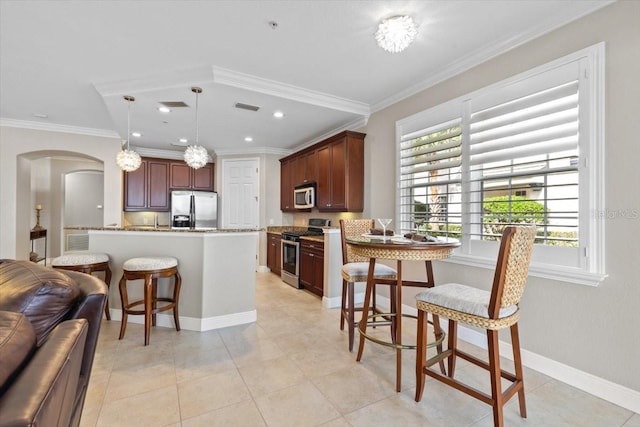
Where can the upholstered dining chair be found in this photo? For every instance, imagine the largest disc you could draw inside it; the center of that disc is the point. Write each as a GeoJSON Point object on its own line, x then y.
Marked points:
{"type": "Point", "coordinates": [491, 311]}
{"type": "Point", "coordinates": [355, 269]}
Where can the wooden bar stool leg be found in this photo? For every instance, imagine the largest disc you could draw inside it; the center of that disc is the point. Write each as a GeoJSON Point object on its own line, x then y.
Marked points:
{"type": "Point", "coordinates": [351, 318]}
{"type": "Point", "coordinates": [421, 353]}
{"type": "Point", "coordinates": [453, 346]}
{"type": "Point", "coordinates": [343, 304]}
{"type": "Point", "coordinates": [107, 280]}
{"type": "Point", "coordinates": [176, 298]}
{"type": "Point", "coordinates": [154, 300]}
{"type": "Point", "coordinates": [494, 372]}
{"type": "Point", "coordinates": [365, 306]}
{"type": "Point", "coordinates": [148, 291]}
{"type": "Point", "coordinates": [517, 362]}
{"type": "Point", "coordinates": [124, 301]}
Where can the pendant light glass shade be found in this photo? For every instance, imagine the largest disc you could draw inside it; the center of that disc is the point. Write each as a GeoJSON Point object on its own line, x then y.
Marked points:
{"type": "Point", "coordinates": [395, 34]}
{"type": "Point", "coordinates": [127, 159]}
{"type": "Point", "coordinates": [196, 156]}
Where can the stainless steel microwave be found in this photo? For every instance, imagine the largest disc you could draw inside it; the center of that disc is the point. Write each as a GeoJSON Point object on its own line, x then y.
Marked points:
{"type": "Point", "coordinates": [304, 196]}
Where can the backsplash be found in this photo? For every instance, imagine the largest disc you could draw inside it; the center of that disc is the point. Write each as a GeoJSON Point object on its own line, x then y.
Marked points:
{"type": "Point", "coordinates": [146, 218]}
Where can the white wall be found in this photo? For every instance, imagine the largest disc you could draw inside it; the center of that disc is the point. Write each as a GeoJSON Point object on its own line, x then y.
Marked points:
{"type": "Point", "coordinates": [595, 330]}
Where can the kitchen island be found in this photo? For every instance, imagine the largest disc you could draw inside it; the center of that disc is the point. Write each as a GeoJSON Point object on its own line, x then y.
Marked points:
{"type": "Point", "coordinates": [217, 268]}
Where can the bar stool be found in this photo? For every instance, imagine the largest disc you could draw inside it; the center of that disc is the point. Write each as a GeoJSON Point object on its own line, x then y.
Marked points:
{"type": "Point", "coordinates": [149, 269]}
{"type": "Point", "coordinates": [86, 262]}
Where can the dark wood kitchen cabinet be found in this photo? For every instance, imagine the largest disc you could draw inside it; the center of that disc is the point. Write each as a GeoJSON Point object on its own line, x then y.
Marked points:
{"type": "Point", "coordinates": [147, 188]}
{"type": "Point", "coordinates": [274, 252]}
{"type": "Point", "coordinates": [336, 164]}
{"type": "Point", "coordinates": [183, 177]}
{"type": "Point", "coordinates": [341, 173]}
{"type": "Point", "coordinates": [286, 186]}
{"type": "Point", "coordinates": [312, 266]}
{"type": "Point", "coordinates": [305, 168]}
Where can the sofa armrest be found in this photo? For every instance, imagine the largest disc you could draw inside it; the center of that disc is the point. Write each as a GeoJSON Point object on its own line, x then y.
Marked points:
{"type": "Point", "coordinates": [44, 392]}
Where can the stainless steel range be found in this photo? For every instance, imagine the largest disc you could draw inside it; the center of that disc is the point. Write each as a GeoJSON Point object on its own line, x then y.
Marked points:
{"type": "Point", "coordinates": [290, 271]}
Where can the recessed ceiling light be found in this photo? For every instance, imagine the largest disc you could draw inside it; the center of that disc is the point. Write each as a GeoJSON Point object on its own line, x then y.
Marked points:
{"type": "Point", "coordinates": [41, 115]}
{"type": "Point", "coordinates": [136, 134]}
{"type": "Point", "coordinates": [164, 109]}
{"type": "Point", "coordinates": [248, 139]}
{"type": "Point", "coordinates": [278, 114]}
{"type": "Point", "coordinates": [183, 140]}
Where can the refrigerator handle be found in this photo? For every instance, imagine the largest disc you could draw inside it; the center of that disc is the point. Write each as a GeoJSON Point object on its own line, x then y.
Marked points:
{"type": "Point", "coordinates": [192, 211]}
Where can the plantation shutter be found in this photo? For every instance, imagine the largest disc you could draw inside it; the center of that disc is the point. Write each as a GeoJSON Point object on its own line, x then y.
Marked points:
{"type": "Point", "coordinates": [524, 157]}
{"type": "Point", "coordinates": [430, 195]}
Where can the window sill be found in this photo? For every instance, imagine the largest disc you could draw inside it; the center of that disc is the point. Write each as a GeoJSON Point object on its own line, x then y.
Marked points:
{"type": "Point", "coordinates": [545, 271]}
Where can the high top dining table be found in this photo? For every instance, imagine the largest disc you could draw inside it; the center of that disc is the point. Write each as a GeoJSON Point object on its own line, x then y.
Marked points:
{"type": "Point", "coordinates": [398, 249]}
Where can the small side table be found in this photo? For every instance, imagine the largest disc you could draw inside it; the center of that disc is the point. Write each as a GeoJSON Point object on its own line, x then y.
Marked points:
{"type": "Point", "coordinates": [36, 235]}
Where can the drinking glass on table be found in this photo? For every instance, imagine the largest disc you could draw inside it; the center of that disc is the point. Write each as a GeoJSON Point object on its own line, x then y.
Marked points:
{"type": "Point", "coordinates": [384, 222]}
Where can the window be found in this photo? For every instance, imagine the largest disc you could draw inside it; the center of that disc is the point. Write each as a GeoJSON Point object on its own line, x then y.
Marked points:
{"type": "Point", "coordinates": [430, 179]}
{"type": "Point", "coordinates": [526, 150]}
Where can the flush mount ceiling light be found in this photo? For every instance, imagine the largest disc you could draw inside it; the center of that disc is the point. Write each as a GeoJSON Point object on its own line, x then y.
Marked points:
{"type": "Point", "coordinates": [395, 34]}
{"type": "Point", "coordinates": [195, 155]}
{"type": "Point", "coordinates": [127, 159]}
{"type": "Point", "coordinates": [278, 114]}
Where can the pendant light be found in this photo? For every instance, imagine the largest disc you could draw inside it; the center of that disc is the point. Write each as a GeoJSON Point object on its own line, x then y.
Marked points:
{"type": "Point", "coordinates": [196, 156]}
{"type": "Point", "coordinates": [127, 159]}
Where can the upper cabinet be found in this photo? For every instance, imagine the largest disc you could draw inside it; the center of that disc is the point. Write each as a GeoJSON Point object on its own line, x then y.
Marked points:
{"type": "Point", "coordinates": [341, 174]}
{"type": "Point", "coordinates": [148, 188]}
{"type": "Point", "coordinates": [336, 164]}
{"type": "Point", "coordinates": [286, 186]}
{"type": "Point", "coordinates": [183, 177]}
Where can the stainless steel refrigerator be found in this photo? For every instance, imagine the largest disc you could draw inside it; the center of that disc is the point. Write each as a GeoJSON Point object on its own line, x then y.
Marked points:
{"type": "Point", "coordinates": [194, 209]}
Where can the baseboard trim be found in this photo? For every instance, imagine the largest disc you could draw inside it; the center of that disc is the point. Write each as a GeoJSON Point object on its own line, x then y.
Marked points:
{"type": "Point", "coordinates": [192, 323]}
{"type": "Point", "coordinates": [596, 386]}
{"type": "Point", "coordinates": [263, 269]}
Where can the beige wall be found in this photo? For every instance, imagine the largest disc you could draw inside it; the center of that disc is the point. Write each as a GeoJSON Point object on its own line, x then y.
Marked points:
{"type": "Point", "coordinates": [19, 149]}
{"type": "Point", "coordinates": [591, 329]}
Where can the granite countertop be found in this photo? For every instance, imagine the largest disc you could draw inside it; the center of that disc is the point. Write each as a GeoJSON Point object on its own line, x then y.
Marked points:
{"type": "Point", "coordinates": [279, 229]}
{"type": "Point", "coordinates": [319, 239]}
{"type": "Point", "coordinates": [166, 229]}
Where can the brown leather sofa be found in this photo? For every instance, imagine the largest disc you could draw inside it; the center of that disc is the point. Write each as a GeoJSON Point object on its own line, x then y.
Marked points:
{"type": "Point", "coordinates": [49, 325]}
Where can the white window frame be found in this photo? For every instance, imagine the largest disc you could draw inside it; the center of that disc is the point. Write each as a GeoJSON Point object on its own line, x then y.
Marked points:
{"type": "Point", "coordinates": [589, 266]}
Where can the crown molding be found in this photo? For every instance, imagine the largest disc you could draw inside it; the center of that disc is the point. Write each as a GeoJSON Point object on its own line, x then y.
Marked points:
{"type": "Point", "coordinates": [287, 91]}
{"type": "Point", "coordinates": [355, 124]}
{"type": "Point", "coordinates": [482, 55]}
{"type": "Point", "coordinates": [253, 151]}
{"type": "Point", "coordinates": [52, 127]}
{"type": "Point", "coordinates": [165, 80]}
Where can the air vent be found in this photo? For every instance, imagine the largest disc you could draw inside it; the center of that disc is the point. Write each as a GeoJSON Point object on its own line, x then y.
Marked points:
{"type": "Point", "coordinates": [246, 106]}
{"type": "Point", "coordinates": [174, 104]}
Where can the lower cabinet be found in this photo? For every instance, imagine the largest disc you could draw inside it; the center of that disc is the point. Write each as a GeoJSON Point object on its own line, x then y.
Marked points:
{"type": "Point", "coordinates": [274, 252]}
{"type": "Point", "coordinates": [312, 266]}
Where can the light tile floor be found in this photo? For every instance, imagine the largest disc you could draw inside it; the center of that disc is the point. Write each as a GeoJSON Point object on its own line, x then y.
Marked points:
{"type": "Point", "coordinates": [292, 368]}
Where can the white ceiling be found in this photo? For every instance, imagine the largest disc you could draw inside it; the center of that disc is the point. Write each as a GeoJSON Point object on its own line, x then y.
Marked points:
{"type": "Point", "coordinates": [74, 60]}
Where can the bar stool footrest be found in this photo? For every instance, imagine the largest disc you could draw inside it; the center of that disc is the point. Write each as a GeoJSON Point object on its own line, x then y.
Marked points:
{"type": "Point", "coordinates": [435, 343]}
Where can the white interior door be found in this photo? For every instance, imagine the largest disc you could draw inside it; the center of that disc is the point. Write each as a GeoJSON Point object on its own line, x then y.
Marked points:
{"type": "Point", "coordinates": [240, 193]}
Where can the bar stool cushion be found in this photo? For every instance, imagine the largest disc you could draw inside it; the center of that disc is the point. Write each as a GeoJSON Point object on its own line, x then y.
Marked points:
{"type": "Point", "coordinates": [358, 271]}
{"type": "Point", "coordinates": [150, 263]}
{"type": "Point", "coordinates": [462, 298]}
{"type": "Point", "coordinates": [80, 258]}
